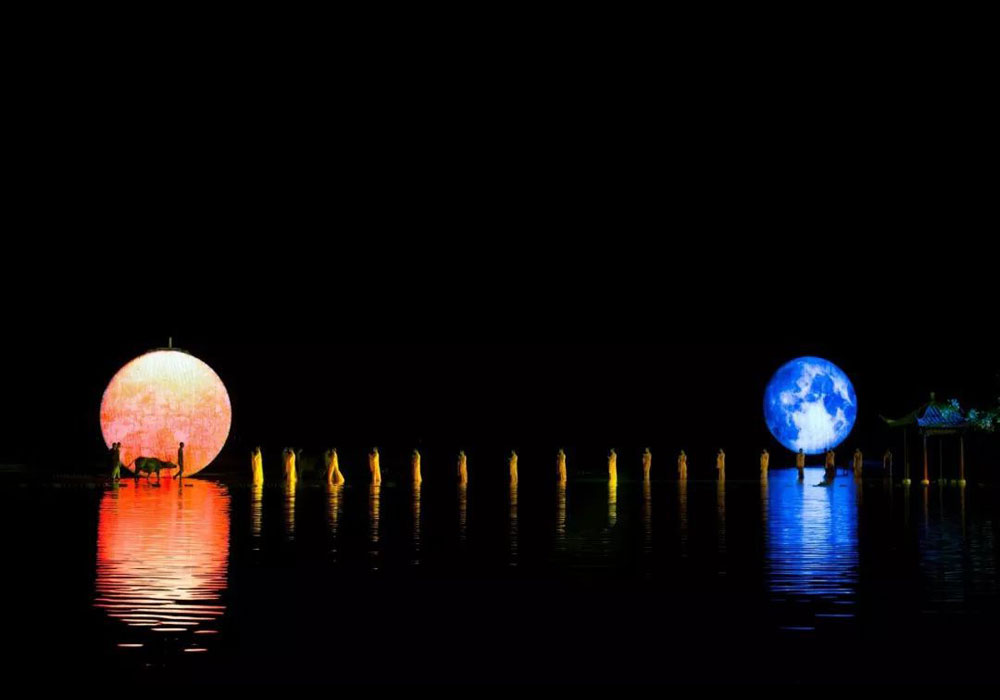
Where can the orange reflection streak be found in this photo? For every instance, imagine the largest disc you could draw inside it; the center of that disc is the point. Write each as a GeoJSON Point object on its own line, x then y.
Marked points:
{"type": "Point", "coordinates": [374, 518]}
{"type": "Point", "coordinates": [721, 514]}
{"type": "Point", "coordinates": [512, 531]}
{"type": "Point", "coordinates": [256, 508]}
{"type": "Point", "coordinates": [463, 511]}
{"type": "Point", "coordinates": [682, 513]}
{"type": "Point", "coordinates": [561, 517]}
{"type": "Point", "coordinates": [613, 503]}
{"type": "Point", "coordinates": [290, 508]}
{"type": "Point", "coordinates": [415, 507]}
{"type": "Point", "coordinates": [334, 507]}
{"type": "Point", "coordinates": [163, 555]}
{"type": "Point", "coordinates": [647, 516]}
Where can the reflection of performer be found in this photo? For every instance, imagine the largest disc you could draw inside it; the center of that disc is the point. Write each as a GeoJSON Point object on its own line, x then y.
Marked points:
{"type": "Point", "coordinates": [765, 463]}
{"type": "Point", "coordinates": [682, 466]}
{"type": "Point", "coordinates": [647, 463]}
{"type": "Point", "coordinates": [800, 464]}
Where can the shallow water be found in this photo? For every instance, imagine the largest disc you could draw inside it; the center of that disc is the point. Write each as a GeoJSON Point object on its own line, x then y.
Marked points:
{"type": "Point", "coordinates": [668, 581]}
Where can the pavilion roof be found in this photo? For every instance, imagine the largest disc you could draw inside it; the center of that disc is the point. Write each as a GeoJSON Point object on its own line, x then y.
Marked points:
{"type": "Point", "coordinates": [939, 415]}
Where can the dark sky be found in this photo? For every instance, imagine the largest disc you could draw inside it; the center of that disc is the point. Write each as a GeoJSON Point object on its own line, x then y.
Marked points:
{"type": "Point", "coordinates": [539, 293]}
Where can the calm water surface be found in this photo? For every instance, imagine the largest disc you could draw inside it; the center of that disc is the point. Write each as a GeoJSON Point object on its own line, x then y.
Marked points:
{"type": "Point", "coordinates": [693, 581]}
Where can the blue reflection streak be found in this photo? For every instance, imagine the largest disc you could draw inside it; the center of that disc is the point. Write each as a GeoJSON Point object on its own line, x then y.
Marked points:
{"type": "Point", "coordinates": [812, 538]}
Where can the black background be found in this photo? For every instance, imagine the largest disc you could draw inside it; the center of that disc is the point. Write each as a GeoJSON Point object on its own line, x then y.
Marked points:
{"type": "Point", "coordinates": [530, 242]}
{"type": "Point", "coordinates": [331, 232]}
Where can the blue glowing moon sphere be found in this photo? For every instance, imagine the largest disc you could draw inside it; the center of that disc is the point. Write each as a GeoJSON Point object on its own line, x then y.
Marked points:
{"type": "Point", "coordinates": [810, 405]}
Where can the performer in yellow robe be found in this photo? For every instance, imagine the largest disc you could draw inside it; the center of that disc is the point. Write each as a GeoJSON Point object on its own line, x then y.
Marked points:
{"type": "Point", "coordinates": [613, 467]}
{"type": "Point", "coordinates": [720, 464]}
{"type": "Point", "coordinates": [682, 466]}
{"type": "Point", "coordinates": [512, 464]}
{"type": "Point", "coordinates": [374, 467]}
{"type": "Point", "coordinates": [647, 464]}
{"type": "Point", "coordinates": [561, 466]}
{"type": "Point", "coordinates": [257, 467]}
{"type": "Point", "coordinates": [332, 462]}
{"type": "Point", "coordinates": [291, 476]}
{"type": "Point", "coordinates": [415, 464]}
{"type": "Point", "coordinates": [800, 464]}
{"type": "Point", "coordinates": [463, 469]}
{"type": "Point", "coordinates": [765, 463]}
{"type": "Point", "coordinates": [338, 476]}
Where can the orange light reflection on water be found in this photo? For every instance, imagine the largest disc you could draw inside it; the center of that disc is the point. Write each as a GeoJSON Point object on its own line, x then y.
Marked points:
{"type": "Point", "coordinates": [163, 556]}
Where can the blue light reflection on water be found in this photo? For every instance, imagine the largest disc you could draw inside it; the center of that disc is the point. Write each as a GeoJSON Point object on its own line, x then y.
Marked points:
{"type": "Point", "coordinates": [812, 542]}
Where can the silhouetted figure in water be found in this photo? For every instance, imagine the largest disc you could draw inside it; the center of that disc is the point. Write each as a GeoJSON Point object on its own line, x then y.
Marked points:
{"type": "Point", "coordinates": [765, 463]}
{"type": "Point", "coordinates": [116, 461]}
{"type": "Point", "coordinates": [800, 464]}
{"type": "Point", "coordinates": [830, 471]}
{"type": "Point", "coordinates": [887, 463]}
{"type": "Point", "coordinates": [859, 463]}
{"type": "Point", "coordinates": [180, 460]}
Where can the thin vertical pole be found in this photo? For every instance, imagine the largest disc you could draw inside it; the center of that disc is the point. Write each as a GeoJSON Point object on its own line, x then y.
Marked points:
{"type": "Point", "coordinates": [906, 458]}
{"type": "Point", "coordinates": [941, 459]}
{"type": "Point", "coordinates": [961, 460]}
{"type": "Point", "coordinates": [926, 480]}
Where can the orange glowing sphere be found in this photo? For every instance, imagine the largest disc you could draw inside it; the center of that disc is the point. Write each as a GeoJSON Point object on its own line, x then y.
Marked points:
{"type": "Point", "coordinates": [164, 398]}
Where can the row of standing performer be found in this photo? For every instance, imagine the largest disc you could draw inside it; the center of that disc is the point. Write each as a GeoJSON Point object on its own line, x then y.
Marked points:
{"type": "Point", "coordinates": [334, 475]}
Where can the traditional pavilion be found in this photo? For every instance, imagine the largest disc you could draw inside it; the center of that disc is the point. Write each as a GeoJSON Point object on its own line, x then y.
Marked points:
{"type": "Point", "coordinates": [933, 419]}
